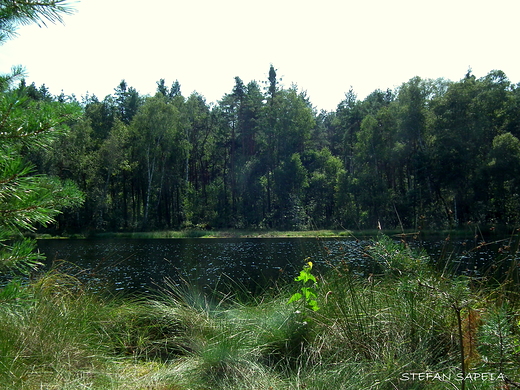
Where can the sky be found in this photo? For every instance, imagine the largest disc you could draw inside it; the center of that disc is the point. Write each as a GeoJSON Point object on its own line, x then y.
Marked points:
{"type": "Point", "coordinates": [325, 47]}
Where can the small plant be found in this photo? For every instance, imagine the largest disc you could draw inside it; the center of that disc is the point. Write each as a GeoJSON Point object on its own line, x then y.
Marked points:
{"type": "Point", "coordinates": [307, 292]}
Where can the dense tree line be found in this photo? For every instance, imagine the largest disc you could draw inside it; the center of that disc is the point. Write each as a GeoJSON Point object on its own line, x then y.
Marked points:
{"type": "Point", "coordinates": [431, 153]}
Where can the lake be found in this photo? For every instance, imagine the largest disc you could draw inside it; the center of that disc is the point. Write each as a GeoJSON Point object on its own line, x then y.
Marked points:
{"type": "Point", "coordinates": [142, 265]}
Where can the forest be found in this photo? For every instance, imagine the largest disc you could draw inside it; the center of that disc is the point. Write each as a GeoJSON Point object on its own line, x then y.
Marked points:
{"type": "Point", "coordinates": [429, 154]}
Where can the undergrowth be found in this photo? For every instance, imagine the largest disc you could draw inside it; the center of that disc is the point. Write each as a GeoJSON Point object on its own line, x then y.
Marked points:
{"type": "Point", "coordinates": [403, 326]}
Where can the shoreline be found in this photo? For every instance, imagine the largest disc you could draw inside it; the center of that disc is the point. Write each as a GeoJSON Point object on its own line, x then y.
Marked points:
{"type": "Point", "coordinates": [264, 234]}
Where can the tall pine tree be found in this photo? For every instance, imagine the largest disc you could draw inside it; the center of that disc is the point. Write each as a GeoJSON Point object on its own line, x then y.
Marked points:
{"type": "Point", "coordinates": [27, 199]}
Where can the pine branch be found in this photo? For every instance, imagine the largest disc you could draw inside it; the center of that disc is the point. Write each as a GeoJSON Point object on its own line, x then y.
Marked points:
{"type": "Point", "coordinates": [14, 13]}
{"type": "Point", "coordinates": [28, 12]}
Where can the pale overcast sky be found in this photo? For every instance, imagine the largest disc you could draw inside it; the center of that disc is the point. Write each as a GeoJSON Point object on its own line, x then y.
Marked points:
{"type": "Point", "coordinates": [324, 46]}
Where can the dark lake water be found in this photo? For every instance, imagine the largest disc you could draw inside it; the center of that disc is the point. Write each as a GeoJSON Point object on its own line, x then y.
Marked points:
{"type": "Point", "coordinates": [143, 265]}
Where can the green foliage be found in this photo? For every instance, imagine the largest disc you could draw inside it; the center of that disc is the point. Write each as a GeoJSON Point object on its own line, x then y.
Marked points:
{"type": "Point", "coordinates": [308, 292]}
{"type": "Point", "coordinates": [158, 139]}
{"type": "Point", "coordinates": [429, 154]}
{"type": "Point", "coordinates": [27, 199]}
{"type": "Point", "coordinates": [396, 258]}
{"type": "Point", "coordinates": [15, 13]}
{"type": "Point", "coordinates": [499, 341]}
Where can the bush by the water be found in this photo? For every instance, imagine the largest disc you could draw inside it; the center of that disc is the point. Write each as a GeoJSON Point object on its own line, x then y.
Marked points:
{"type": "Point", "coordinates": [405, 326]}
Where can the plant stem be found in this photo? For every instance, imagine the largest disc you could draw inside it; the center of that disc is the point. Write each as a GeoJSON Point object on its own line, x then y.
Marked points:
{"type": "Point", "coordinates": [461, 344]}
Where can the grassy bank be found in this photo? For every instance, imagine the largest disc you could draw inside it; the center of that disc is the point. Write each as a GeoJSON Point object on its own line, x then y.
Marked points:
{"type": "Point", "coordinates": [463, 232]}
{"type": "Point", "coordinates": [402, 327]}
{"type": "Point", "coordinates": [232, 233]}
{"type": "Point", "coordinates": [196, 233]}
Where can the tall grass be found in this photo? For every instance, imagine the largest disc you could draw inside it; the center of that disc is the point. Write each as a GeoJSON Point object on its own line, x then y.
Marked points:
{"type": "Point", "coordinates": [371, 332]}
{"type": "Point", "coordinates": [49, 333]}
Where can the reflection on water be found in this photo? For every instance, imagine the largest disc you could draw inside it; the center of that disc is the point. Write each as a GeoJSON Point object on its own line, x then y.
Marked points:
{"type": "Point", "coordinates": [474, 256]}
{"type": "Point", "coordinates": [144, 264]}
